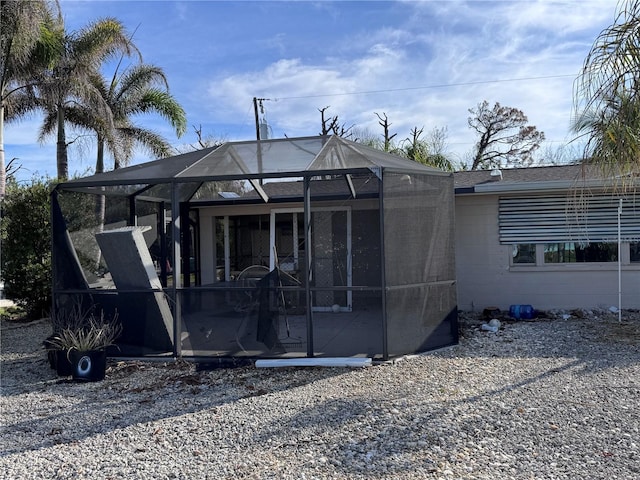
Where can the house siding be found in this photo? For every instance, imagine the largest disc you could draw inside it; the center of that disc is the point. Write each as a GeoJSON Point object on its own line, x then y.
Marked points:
{"type": "Point", "coordinates": [486, 279]}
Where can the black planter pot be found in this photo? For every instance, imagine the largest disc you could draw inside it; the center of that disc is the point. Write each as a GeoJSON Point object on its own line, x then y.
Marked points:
{"type": "Point", "coordinates": [88, 366]}
{"type": "Point", "coordinates": [59, 362]}
{"type": "Point", "coordinates": [57, 358]}
{"type": "Point", "coordinates": [63, 367]}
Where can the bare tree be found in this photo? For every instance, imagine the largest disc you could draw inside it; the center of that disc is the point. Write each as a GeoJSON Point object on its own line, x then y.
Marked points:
{"type": "Point", "coordinates": [429, 151]}
{"type": "Point", "coordinates": [505, 138]}
{"type": "Point", "coordinates": [332, 126]}
{"type": "Point", "coordinates": [414, 149]}
{"type": "Point", "coordinates": [384, 123]}
{"type": "Point", "coordinates": [366, 137]}
{"type": "Point", "coordinates": [564, 154]}
{"type": "Point", "coordinates": [211, 189]}
{"type": "Point", "coordinates": [206, 141]}
{"type": "Point", "coordinates": [437, 140]}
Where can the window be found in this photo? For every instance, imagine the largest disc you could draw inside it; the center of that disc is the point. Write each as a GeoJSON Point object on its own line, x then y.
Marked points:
{"type": "Point", "coordinates": [570, 252]}
{"type": "Point", "coordinates": [524, 253]}
{"type": "Point", "coordinates": [634, 251]}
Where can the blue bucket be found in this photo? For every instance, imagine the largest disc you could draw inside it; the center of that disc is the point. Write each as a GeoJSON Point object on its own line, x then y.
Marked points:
{"type": "Point", "coordinates": [521, 312]}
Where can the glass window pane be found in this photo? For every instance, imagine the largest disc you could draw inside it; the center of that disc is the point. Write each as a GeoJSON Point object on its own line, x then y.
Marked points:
{"type": "Point", "coordinates": [597, 252]}
{"type": "Point", "coordinates": [524, 253]}
{"type": "Point", "coordinates": [559, 253]}
{"type": "Point", "coordinates": [570, 252]}
{"type": "Point", "coordinates": [634, 252]}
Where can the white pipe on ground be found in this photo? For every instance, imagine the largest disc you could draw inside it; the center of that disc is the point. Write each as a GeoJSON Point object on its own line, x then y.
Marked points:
{"type": "Point", "coordinates": [315, 362]}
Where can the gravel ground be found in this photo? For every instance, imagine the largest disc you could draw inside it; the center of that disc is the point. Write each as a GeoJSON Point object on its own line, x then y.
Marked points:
{"type": "Point", "coordinates": [554, 398]}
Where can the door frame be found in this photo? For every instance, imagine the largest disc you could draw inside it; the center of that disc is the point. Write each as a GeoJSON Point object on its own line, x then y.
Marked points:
{"type": "Point", "coordinates": [349, 264]}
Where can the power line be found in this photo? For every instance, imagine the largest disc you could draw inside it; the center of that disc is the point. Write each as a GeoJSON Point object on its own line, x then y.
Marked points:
{"type": "Point", "coordinates": [424, 87]}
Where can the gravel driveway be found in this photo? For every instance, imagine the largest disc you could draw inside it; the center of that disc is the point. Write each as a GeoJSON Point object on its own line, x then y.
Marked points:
{"type": "Point", "coordinates": [547, 399]}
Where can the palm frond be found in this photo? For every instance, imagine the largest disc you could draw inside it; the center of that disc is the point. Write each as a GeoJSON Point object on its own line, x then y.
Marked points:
{"type": "Point", "coordinates": [148, 140]}
{"type": "Point", "coordinates": [607, 98]}
{"type": "Point", "coordinates": [166, 106]}
{"type": "Point", "coordinates": [101, 40]}
{"type": "Point", "coordinates": [138, 78]}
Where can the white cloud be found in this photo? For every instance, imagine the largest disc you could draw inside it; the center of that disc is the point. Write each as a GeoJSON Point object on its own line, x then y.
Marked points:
{"type": "Point", "coordinates": [423, 63]}
{"type": "Point", "coordinates": [441, 43]}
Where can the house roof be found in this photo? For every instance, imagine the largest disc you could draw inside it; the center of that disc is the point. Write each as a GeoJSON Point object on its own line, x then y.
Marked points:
{"type": "Point", "coordinates": [532, 178]}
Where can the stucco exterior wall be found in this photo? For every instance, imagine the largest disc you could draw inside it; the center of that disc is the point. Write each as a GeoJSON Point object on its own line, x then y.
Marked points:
{"type": "Point", "coordinates": [485, 277]}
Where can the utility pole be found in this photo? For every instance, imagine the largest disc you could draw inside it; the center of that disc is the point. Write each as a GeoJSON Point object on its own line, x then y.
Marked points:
{"type": "Point", "coordinates": [259, 149]}
{"type": "Point", "coordinates": [261, 121]}
{"type": "Point", "coordinates": [255, 111]}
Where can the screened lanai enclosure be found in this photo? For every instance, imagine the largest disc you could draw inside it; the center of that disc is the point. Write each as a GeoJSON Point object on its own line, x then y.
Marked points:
{"type": "Point", "coordinates": [297, 247]}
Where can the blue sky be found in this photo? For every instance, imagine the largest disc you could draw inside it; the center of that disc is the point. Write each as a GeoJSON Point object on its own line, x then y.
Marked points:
{"type": "Point", "coordinates": [422, 64]}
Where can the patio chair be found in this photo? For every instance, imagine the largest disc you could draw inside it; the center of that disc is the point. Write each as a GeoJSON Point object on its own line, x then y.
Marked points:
{"type": "Point", "coordinates": [247, 280]}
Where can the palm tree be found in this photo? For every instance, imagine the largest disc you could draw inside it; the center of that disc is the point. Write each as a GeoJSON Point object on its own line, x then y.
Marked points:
{"type": "Point", "coordinates": [25, 44]}
{"type": "Point", "coordinates": [134, 92]}
{"type": "Point", "coordinates": [607, 96]}
{"type": "Point", "coordinates": [612, 135]}
{"type": "Point", "coordinates": [71, 80]}
{"type": "Point", "coordinates": [140, 89]}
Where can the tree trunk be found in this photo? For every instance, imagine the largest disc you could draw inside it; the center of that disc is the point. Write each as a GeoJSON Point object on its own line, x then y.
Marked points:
{"type": "Point", "coordinates": [3, 173]}
{"type": "Point", "coordinates": [61, 147]}
{"type": "Point", "coordinates": [482, 146]}
{"type": "Point", "coordinates": [2, 168]}
{"type": "Point", "coordinates": [100, 199]}
{"type": "Point", "coordinates": [100, 158]}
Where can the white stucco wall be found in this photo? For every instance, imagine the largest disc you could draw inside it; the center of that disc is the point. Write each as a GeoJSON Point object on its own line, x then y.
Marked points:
{"type": "Point", "coordinates": [485, 277]}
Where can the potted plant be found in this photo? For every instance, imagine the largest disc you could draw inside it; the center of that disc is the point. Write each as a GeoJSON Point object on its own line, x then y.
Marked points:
{"type": "Point", "coordinates": [80, 340]}
{"type": "Point", "coordinates": [64, 318]}
{"type": "Point", "coordinates": [57, 357]}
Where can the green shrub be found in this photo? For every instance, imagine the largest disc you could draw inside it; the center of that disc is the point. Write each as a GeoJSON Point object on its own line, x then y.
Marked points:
{"type": "Point", "coordinates": [26, 246]}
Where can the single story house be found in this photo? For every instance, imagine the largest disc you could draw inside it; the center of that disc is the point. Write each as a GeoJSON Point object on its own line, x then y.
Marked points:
{"type": "Point", "coordinates": [558, 237]}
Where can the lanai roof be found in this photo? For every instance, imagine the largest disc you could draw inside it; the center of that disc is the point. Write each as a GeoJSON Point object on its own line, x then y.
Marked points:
{"type": "Point", "coordinates": [256, 159]}
{"type": "Point", "coordinates": [247, 161]}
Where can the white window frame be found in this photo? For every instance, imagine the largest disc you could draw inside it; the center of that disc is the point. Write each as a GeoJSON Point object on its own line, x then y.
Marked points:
{"type": "Point", "coordinates": [625, 260]}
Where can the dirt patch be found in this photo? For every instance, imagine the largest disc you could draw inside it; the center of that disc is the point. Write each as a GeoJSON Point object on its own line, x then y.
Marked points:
{"type": "Point", "coordinates": [601, 325]}
{"type": "Point", "coordinates": [626, 331]}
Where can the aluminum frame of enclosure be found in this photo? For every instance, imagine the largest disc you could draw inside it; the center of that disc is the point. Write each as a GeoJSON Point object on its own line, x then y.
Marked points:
{"type": "Point", "coordinates": [360, 259]}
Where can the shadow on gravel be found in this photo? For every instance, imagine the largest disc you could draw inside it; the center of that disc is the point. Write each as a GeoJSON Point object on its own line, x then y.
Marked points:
{"type": "Point", "coordinates": [61, 411]}
{"type": "Point", "coordinates": [404, 433]}
{"type": "Point", "coordinates": [396, 428]}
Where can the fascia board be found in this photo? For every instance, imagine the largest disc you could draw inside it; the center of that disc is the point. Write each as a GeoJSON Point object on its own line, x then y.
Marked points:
{"type": "Point", "coordinates": [501, 186]}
